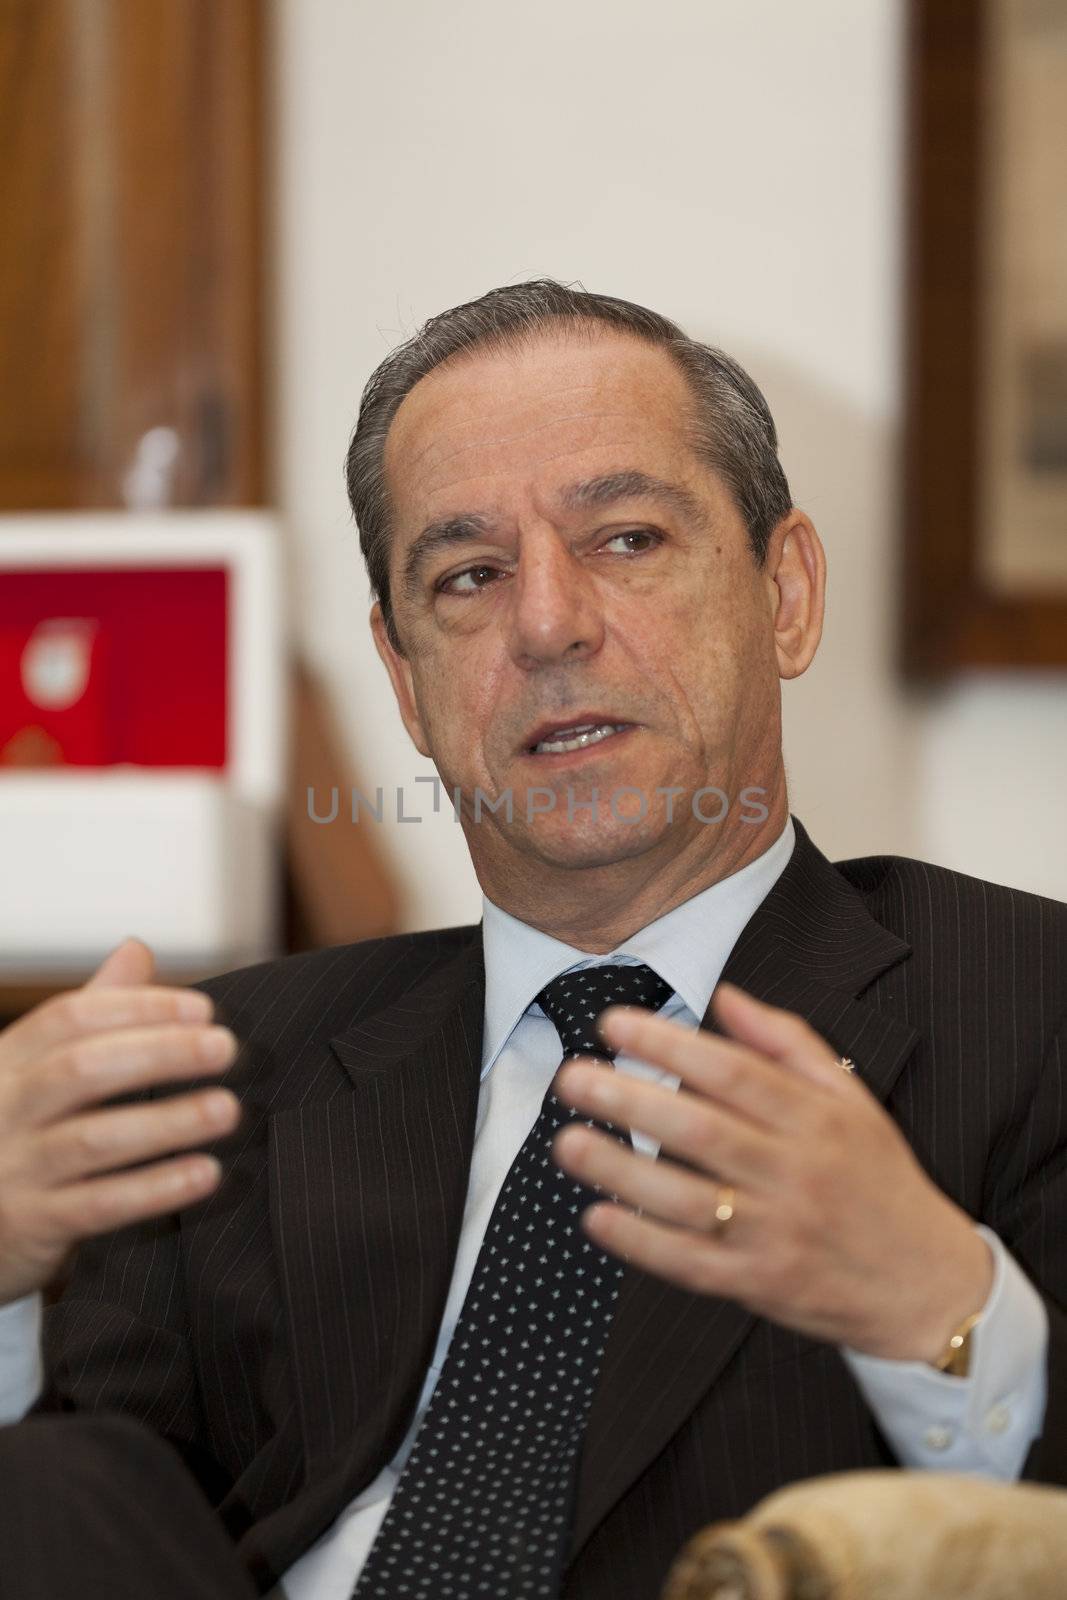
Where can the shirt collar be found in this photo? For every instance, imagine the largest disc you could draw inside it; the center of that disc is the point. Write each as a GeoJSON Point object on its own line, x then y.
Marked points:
{"type": "Point", "coordinates": [688, 947]}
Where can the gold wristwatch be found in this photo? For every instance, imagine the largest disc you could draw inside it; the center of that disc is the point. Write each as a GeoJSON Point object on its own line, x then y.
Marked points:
{"type": "Point", "coordinates": [955, 1358]}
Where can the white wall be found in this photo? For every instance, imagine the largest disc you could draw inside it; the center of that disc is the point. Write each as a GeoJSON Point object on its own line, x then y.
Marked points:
{"type": "Point", "coordinates": [734, 163]}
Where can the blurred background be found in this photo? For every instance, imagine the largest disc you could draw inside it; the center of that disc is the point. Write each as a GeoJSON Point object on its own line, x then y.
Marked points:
{"type": "Point", "coordinates": [219, 215]}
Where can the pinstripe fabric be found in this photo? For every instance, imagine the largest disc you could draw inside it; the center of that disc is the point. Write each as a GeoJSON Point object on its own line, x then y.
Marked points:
{"type": "Point", "coordinates": [279, 1333]}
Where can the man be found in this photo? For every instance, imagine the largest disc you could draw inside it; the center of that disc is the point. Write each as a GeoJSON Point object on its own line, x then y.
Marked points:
{"type": "Point", "coordinates": [392, 1339]}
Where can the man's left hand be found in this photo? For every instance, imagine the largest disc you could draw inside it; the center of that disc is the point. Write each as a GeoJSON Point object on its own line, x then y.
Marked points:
{"type": "Point", "coordinates": [837, 1231]}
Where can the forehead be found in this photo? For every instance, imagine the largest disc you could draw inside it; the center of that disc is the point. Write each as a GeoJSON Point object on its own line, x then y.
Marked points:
{"type": "Point", "coordinates": [495, 423]}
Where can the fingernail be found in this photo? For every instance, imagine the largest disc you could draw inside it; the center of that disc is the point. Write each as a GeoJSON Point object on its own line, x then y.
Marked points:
{"type": "Point", "coordinates": [202, 1170]}
{"type": "Point", "coordinates": [217, 1044]}
{"type": "Point", "coordinates": [195, 1007]}
{"type": "Point", "coordinates": [219, 1105]}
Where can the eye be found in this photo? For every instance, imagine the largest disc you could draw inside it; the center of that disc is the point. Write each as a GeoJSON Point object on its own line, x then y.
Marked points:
{"type": "Point", "coordinates": [635, 541]}
{"type": "Point", "coordinates": [469, 581]}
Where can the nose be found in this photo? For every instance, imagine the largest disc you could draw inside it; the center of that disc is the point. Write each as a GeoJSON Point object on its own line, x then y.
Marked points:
{"type": "Point", "coordinates": [556, 608]}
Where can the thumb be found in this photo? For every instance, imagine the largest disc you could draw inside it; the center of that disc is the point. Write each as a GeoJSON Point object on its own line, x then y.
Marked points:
{"type": "Point", "coordinates": [130, 963]}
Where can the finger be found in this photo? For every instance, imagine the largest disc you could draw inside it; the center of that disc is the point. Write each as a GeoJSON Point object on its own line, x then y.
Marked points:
{"type": "Point", "coordinates": [90, 1070]}
{"type": "Point", "coordinates": [129, 963]}
{"type": "Point", "coordinates": [703, 1263]}
{"type": "Point", "coordinates": [85, 1011]}
{"type": "Point", "coordinates": [657, 1188]}
{"type": "Point", "coordinates": [82, 1146]}
{"type": "Point", "coordinates": [709, 1136]}
{"type": "Point", "coordinates": [720, 1069]}
{"type": "Point", "coordinates": [101, 1204]}
{"type": "Point", "coordinates": [781, 1035]}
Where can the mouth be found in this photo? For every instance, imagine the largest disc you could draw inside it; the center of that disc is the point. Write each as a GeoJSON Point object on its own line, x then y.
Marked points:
{"type": "Point", "coordinates": [568, 738]}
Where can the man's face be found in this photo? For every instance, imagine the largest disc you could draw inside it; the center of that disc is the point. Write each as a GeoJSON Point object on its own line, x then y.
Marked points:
{"type": "Point", "coordinates": [563, 561]}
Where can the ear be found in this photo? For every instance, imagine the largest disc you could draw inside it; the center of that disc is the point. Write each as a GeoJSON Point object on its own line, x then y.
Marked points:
{"type": "Point", "coordinates": [401, 677]}
{"type": "Point", "coordinates": [796, 582]}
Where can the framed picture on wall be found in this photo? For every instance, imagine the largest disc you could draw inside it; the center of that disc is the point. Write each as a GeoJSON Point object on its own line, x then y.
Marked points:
{"type": "Point", "coordinates": [985, 504]}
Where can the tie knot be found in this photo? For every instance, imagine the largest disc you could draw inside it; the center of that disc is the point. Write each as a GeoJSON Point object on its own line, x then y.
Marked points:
{"type": "Point", "coordinates": [574, 1000]}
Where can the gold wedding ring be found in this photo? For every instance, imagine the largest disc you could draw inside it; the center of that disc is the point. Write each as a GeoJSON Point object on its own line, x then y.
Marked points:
{"type": "Point", "coordinates": [724, 1210]}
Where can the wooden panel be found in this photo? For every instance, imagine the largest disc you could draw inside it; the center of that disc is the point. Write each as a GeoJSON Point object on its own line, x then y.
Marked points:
{"type": "Point", "coordinates": [42, 258]}
{"type": "Point", "coordinates": [338, 886]}
{"type": "Point", "coordinates": [130, 253]}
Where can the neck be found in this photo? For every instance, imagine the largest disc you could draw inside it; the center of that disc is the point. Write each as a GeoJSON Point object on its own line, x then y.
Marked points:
{"type": "Point", "coordinates": [596, 908]}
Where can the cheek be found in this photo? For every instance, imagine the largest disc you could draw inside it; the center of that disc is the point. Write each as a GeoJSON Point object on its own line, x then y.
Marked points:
{"type": "Point", "coordinates": [454, 693]}
{"type": "Point", "coordinates": [685, 638]}
{"type": "Point", "coordinates": [714, 651]}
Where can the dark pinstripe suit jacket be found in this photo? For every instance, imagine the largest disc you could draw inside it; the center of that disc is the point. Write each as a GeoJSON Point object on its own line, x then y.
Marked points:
{"type": "Point", "coordinates": [279, 1334]}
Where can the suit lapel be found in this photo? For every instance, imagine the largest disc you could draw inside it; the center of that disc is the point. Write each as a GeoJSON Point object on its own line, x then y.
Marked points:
{"type": "Point", "coordinates": [811, 947]}
{"type": "Point", "coordinates": [367, 1196]}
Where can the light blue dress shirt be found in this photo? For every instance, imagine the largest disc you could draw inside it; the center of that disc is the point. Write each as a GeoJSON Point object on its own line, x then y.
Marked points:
{"type": "Point", "coordinates": [982, 1424]}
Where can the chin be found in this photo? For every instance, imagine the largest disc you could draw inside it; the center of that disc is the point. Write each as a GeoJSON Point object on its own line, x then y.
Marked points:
{"type": "Point", "coordinates": [577, 845]}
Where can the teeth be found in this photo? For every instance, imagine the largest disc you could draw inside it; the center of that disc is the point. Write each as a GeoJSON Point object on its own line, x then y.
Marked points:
{"type": "Point", "coordinates": [585, 735]}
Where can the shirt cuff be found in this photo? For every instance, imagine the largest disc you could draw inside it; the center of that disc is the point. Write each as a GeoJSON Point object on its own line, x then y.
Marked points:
{"type": "Point", "coordinates": [985, 1423]}
{"type": "Point", "coordinates": [21, 1367]}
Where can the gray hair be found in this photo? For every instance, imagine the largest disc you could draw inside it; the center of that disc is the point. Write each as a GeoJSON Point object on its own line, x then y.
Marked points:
{"type": "Point", "coordinates": [733, 431]}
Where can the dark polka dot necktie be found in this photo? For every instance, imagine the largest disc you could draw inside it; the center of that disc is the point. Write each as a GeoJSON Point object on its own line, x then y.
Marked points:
{"type": "Point", "coordinates": [484, 1502]}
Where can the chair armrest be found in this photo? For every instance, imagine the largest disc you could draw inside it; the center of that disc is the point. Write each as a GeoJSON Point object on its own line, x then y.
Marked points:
{"type": "Point", "coordinates": [902, 1535]}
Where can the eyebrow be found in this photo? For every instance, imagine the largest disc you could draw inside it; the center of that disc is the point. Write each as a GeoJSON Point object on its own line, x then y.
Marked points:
{"type": "Point", "coordinates": [592, 494]}
{"type": "Point", "coordinates": [632, 485]}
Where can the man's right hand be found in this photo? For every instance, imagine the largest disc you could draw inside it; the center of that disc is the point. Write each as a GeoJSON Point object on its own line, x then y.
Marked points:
{"type": "Point", "coordinates": [61, 1155]}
